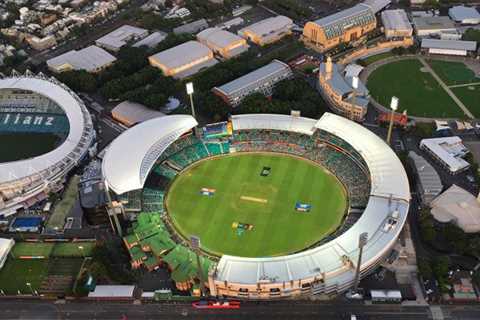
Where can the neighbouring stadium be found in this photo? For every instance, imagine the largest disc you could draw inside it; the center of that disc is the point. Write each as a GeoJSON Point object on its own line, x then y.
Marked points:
{"type": "Point", "coordinates": [45, 131]}
{"type": "Point", "coordinates": [278, 202]}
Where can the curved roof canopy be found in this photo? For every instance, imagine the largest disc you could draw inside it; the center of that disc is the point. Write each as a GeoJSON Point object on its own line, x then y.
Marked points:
{"type": "Point", "coordinates": [73, 108]}
{"type": "Point", "coordinates": [131, 156]}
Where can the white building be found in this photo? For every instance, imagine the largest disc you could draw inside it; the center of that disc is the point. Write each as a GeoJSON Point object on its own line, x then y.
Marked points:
{"type": "Point", "coordinates": [457, 206]}
{"type": "Point", "coordinates": [223, 43]}
{"type": "Point", "coordinates": [429, 185]}
{"type": "Point", "coordinates": [448, 47]}
{"type": "Point", "coordinates": [120, 37]}
{"type": "Point", "coordinates": [436, 25]}
{"type": "Point", "coordinates": [6, 246]}
{"type": "Point", "coordinates": [396, 23]}
{"type": "Point", "coordinates": [183, 60]}
{"type": "Point", "coordinates": [91, 59]}
{"type": "Point", "coordinates": [464, 15]}
{"type": "Point", "coordinates": [448, 151]}
{"type": "Point", "coordinates": [267, 31]}
{"type": "Point", "coordinates": [131, 113]}
{"type": "Point", "coordinates": [151, 40]}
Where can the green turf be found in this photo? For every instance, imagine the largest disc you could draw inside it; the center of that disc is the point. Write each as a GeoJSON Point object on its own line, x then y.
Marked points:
{"type": "Point", "coordinates": [418, 91]}
{"type": "Point", "coordinates": [453, 72]}
{"type": "Point", "coordinates": [278, 227]}
{"type": "Point", "coordinates": [470, 96]}
{"type": "Point", "coordinates": [377, 57]}
{"type": "Point", "coordinates": [51, 249]}
{"type": "Point", "coordinates": [26, 145]}
{"type": "Point", "coordinates": [56, 221]}
{"type": "Point", "coordinates": [16, 273]}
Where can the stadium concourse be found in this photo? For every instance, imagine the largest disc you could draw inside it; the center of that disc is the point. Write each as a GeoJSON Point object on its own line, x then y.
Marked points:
{"type": "Point", "coordinates": [159, 149]}
{"type": "Point", "coordinates": [37, 104]}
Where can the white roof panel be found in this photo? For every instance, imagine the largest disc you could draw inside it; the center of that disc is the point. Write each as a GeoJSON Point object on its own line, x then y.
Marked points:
{"type": "Point", "coordinates": [89, 59]}
{"type": "Point", "coordinates": [268, 26]}
{"type": "Point", "coordinates": [396, 20]}
{"type": "Point", "coordinates": [449, 44]}
{"type": "Point", "coordinates": [218, 37]}
{"type": "Point", "coordinates": [182, 54]}
{"type": "Point", "coordinates": [462, 13]}
{"type": "Point", "coordinates": [273, 122]}
{"type": "Point", "coordinates": [105, 291]}
{"type": "Point", "coordinates": [144, 143]}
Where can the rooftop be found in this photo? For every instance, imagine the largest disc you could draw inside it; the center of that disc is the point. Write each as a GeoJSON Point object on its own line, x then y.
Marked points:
{"type": "Point", "coordinates": [182, 54]}
{"type": "Point", "coordinates": [134, 112]}
{"type": "Point", "coordinates": [435, 23]}
{"type": "Point", "coordinates": [428, 176]}
{"type": "Point", "coordinates": [449, 149]}
{"type": "Point", "coordinates": [461, 13]}
{"type": "Point", "coordinates": [396, 19]}
{"type": "Point", "coordinates": [218, 37]}
{"type": "Point", "coordinates": [151, 40]}
{"type": "Point", "coordinates": [119, 37]}
{"type": "Point", "coordinates": [89, 59]}
{"type": "Point", "coordinates": [449, 44]}
{"type": "Point", "coordinates": [269, 25]}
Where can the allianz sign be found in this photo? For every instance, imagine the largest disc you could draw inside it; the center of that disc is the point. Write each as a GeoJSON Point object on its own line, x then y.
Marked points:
{"type": "Point", "coordinates": [33, 122]}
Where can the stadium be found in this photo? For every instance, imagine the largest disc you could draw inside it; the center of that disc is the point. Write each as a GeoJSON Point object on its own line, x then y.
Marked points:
{"type": "Point", "coordinates": [278, 202]}
{"type": "Point", "coordinates": [45, 131]}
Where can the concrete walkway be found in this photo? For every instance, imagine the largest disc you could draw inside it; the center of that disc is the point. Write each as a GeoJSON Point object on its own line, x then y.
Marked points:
{"type": "Point", "coordinates": [436, 312]}
{"type": "Point", "coordinates": [464, 85]}
{"type": "Point", "coordinates": [446, 88]}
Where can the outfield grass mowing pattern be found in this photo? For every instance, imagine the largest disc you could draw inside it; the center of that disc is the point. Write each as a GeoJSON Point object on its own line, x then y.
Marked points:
{"type": "Point", "coordinates": [418, 91]}
{"type": "Point", "coordinates": [53, 249]}
{"type": "Point", "coordinates": [470, 96]}
{"type": "Point", "coordinates": [16, 273]}
{"type": "Point", "coordinates": [453, 73]}
{"type": "Point", "coordinates": [377, 57]}
{"type": "Point", "coordinates": [278, 228]}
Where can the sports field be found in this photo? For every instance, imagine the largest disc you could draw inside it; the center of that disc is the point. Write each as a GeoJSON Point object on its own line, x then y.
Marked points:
{"type": "Point", "coordinates": [419, 93]}
{"type": "Point", "coordinates": [53, 249]}
{"type": "Point", "coordinates": [20, 146]}
{"type": "Point", "coordinates": [248, 204]}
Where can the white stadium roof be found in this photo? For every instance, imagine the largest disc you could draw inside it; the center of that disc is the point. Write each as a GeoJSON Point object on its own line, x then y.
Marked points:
{"type": "Point", "coordinates": [77, 116]}
{"type": "Point", "coordinates": [274, 122]}
{"type": "Point", "coordinates": [144, 143]}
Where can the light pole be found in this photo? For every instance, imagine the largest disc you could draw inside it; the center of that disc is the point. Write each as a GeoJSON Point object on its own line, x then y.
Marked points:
{"type": "Point", "coordinates": [354, 96]}
{"type": "Point", "coordinates": [195, 243]}
{"type": "Point", "coordinates": [394, 107]}
{"type": "Point", "coordinates": [362, 241]}
{"type": "Point", "coordinates": [189, 87]}
{"type": "Point", "coordinates": [30, 286]}
{"type": "Point", "coordinates": [81, 250]}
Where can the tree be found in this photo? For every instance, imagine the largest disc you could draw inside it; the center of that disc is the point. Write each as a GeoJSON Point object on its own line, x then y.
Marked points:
{"type": "Point", "coordinates": [471, 35]}
{"type": "Point", "coordinates": [79, 80]}
{"type": "Point", "coordinates": [424, 268]}
{"type": "Point", "coordinates": [254, 103]}
{"type": "Point", "coordinates": [215, 107]}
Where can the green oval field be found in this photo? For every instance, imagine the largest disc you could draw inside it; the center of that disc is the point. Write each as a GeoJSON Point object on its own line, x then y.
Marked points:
{"type": "Point", "coordinates": [245, 213]}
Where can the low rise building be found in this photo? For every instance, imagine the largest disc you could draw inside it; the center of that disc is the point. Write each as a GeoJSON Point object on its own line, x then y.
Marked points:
{"type": "Point", "coordinates": [340, 93]}
{"type": "Point", "coordinates": [151, 40]}
{"type": "Point", "coordinates": [192, 27]}
{"type": "Point", "coordinates": [429, 185]}
{"type": "Point", "coordinates": [261, 80]}
{"type": "Point", "coordinates": [464, 15]}
{"type": "Point", "coordinates": [267, 31]}
{"type": "Point", "coordinates": [458, 206]}
{"type": "Point", "coordinates": [448, 151]}
{"type": "Point", "coordinates": [427, 26]}
{"type": "Point", "coordinates": [396, 24]}
{"type": "Point", "coordinates": [183, 60]}
{"type": "Point", "coordinates": [91, 59]}
{"type": "Point", "coordinates": [131, 113]}
{"type": "Point", "coordinates": [6, 246]}
{"type": "Point", "coordinates": [223, 43]}
{"type": "Point", "coordinates": [116, 39]}
{"type": "Point", "coordinates": [377, 5]}
{"type": "Point", "coordinates": [342, 27]}
{"type": "Point", "coordinates": [41, 44]}
{"type": "Point", "coordinates": [449, 47]}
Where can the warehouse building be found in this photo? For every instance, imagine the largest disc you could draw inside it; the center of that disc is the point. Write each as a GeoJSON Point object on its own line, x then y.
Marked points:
{"type": "Point", "coordinates": [223, 43]}
{"type": "Point", "coordinates": [458, 206]}
{"type": "Point", "coordinates": [120, 37]}
{"type": "Point", "coordinates": [448, 151]}
{"type": "Point", "coordinates": [377, 5]}
{"type": "Point", "coordinates": [464, 15]}
{"type": "Point", "coordinates": [429, 185]}
{"type": "Point", "coordinates": [448, 47]}
{"type": "Point", "coordinates": [342, 27]}
{"type": "Point", "coordinates": [131, 113]}
{"type": "Point", "coordinates": [151, 40]}
{"type": "Point", "coordinates": [192, 27]}
{"type": "Point", "coordinates": [436, 25]}
{"type": "Point", "coordinates": [267, 31]}
{"type": "Point", "coordinates": [183, 60]}
{"type": "Point", "coordinates": [337, 88]}
{"type": "Point", "coordinates": [261, 80]}
{"type": "Point", "coordinates": [6, 246]}
{"type": "Point", "coordinates": [91, 59]}
{"type": "Point", "coordinates": [396, 24]}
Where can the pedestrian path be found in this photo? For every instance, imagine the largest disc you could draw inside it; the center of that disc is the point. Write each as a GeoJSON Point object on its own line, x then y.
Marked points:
{"type": "Point", "coordinates": [464, 85]}
{"type": "Point", "coordinates": [437, 313]}
{"type": "Point", "coordinates": [446, 88]}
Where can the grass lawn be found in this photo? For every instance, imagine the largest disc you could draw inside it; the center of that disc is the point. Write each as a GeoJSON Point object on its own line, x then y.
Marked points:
{"type": "Point", "coordinates": [267, 202]}
{"type": "Point", "coordinates": [63, 207]}
{"type": "Point", "coordinates": [470, 96]}
{"type": "Point", "coordinates": [377, 57]}
{"type": "Point", "coordinates": [418, 91]}
{"type": "Point", "coordinates": [70, 249]}
{"type": "Point", "coordinates": [453, 72]}
{"type": "Point", "coordinates": [16, 273]}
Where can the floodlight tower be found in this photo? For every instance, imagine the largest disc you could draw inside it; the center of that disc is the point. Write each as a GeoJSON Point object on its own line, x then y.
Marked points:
{"type": "Point", "coordinates": [394, 107]}
{"type": "Point", "coordinates": [189, 87]}
{"type": "Point", "coordinates": [354, 97]}
{"type": "Point", "coordinates": [195, 243]}
{"type": "Point", "coordinates": [362, 241]}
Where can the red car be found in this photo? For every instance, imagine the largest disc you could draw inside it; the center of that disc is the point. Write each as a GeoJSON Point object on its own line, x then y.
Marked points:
{"type": "Point", "coordinates": [207, 304]}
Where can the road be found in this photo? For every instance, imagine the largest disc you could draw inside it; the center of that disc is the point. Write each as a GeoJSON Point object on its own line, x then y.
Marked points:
{"type": "Point", "coordinates": [279, 310]}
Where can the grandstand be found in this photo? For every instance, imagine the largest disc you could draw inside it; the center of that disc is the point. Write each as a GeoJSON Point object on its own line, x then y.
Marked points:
{"type": "Point", "coordinates": [376, 183]}
{"type": "Point", "coordinates": [37, 104]}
